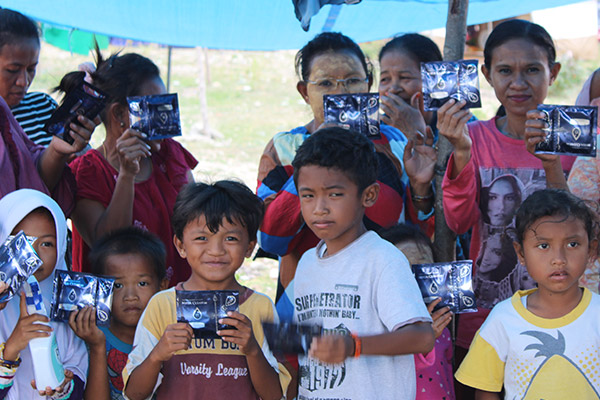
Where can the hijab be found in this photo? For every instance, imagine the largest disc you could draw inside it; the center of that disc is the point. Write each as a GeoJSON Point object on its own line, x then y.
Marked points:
{"type": "Point", "coordinates": [14, 207]}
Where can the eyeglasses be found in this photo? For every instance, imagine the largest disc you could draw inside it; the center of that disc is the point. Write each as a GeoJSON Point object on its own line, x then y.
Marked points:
{"type": "Point", "coordinates": [350, 84]}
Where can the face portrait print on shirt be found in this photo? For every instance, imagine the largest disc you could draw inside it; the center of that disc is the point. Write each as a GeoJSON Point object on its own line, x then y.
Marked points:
{"type": "Point", "coordinates": [498, 273]}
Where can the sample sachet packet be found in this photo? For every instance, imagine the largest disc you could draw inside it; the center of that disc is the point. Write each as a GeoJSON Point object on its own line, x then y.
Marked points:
{"type": "Point", "coordinates": [356, 111]}
{"type": "Point", "coordinates": [86, 100]}
{"type": "Point", "coordinates": [289, 338]}
{"type": "Point", "coordinates": [157, 115]}
{"type": "Point", "coordinates": [202, 309]}
{"type": "Point", "coordinates": [445, 80]}
{"type": "Point", "coordinates": [452, 281]}
{"type": "Point", "coordinates": [18, 261]}
{"type": "Point", "coordinates": [571, 130]}
{"type": "Point", "coordinates": [76, 290]}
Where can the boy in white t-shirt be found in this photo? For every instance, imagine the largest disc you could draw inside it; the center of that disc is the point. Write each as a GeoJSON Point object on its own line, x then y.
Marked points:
{"type": "Point", "coordinates": [543, 343]}
{"type": "Point", "coordinates": [358, 286]}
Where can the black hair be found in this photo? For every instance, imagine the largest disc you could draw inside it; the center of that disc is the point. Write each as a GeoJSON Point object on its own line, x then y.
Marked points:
{"type": "Point", "coordinates": [402, 233]}
{"type": "Point", "coordinates": [420, 48]}
{"type": "Point", "coordinates": [554, 203]}
{"type": "Point", "coordinates": [223, 200]}
{"type": "Point", "coordinates": [484, 195]}
{"type": "Point", "coordinates": [341, 149]}
{"type": "Point", "coordinates": [518, 29]}
{"type": "Point", "coordinates": [129, 240]}
{"type": "Point", "coordinates": [15, 26]}
{"type": "Point", "coordinates": [119, 76]}
{"type": "Point", "coordinates": [326, 42]}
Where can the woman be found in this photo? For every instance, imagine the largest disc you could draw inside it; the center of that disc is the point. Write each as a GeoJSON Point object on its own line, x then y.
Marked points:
{"type": "Point", "coordinates": [24, 164]}
{"type": "Point", "coordinates": [500, 200]}
{"type": "Point", "coordinates": [400, 85]}
{"type": "Point", "coordinates": [519, 63]}
{"type": "Point", "coordinates": [127, 180]}
{"type": "Point", "coordinates": [332, 63]}
{"type": "Point", "coordinates": [19, 55]}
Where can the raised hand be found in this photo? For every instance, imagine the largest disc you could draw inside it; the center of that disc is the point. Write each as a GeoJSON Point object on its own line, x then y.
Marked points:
{"type": "Point", "coordinates": [83, 323]}
{"type": "Point", "coordinates": [535, 133]}
{"type": "Point", "coordinates": [28, 327]}
{"type": "Point", "coordinates": [419, 159]}
{"type": "Point", "coordinates": [408, 118]}
{"type": "Point", "coordinates": [131, 148]}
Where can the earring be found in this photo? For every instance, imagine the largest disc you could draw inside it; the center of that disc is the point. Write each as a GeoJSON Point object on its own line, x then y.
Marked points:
{"type": "Point", "coordinates": [122, 124]}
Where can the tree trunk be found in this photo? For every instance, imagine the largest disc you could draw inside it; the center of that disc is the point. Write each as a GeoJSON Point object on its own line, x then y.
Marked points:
{"type": "Point", "coordinates": [454, 47]}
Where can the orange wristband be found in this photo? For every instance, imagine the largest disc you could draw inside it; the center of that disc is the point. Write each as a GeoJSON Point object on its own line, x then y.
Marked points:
{"type": "Point", "coordinates": [357, 345]}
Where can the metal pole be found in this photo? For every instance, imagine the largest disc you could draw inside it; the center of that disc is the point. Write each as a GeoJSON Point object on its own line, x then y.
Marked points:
{"type": "Point", "coordinates": [169, 53]}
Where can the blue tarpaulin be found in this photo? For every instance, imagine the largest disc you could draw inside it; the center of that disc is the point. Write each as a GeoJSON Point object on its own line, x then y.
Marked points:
{"type": "Point", "coordinates": [258, 24]}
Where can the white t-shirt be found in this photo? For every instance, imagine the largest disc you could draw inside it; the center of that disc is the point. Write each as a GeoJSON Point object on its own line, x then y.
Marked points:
{"type": "Point", "coordinates": [534, 357]}
{"type": "Point", "coordinates": [367, 288]}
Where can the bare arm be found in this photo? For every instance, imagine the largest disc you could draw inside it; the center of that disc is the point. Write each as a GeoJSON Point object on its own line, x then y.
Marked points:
{"type": "Point", "coordinates": [410, 339]}
{"type": "Point", "coordinates": [143, 378]}
{"type": "Point", "coordinates": [53, 160]}
{"type": "Point", "coordinates": [83, 323]}
{"type": "Point", "coordinates": [482, 395]}
{"type": "Point", "coordinates": [264, 378]}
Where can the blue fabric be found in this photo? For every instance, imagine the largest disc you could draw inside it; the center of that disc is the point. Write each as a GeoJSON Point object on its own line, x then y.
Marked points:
{"type": "Point", "coordinates": [258, 24]}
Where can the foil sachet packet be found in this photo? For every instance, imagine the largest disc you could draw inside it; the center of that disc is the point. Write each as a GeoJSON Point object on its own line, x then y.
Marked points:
{"type": "Point", "coordinates": [157, 115]}
{"type": "Point", "coordinates": [86, 100]}
{"type": "Point", "coordinates": [18, 261]}
{"type": "Point", "coordinates": [289, 338]}
{"type": "Point", "coordinates": [571, 130]}
{"type": "Point", "coordinates": [203, 309]}
{"type": "Point", "coordinates": [355, 111]}
{"type": "Point", "coordinates": [452, 281]}
{"type": "Point", "coordinates": [445, 80]}
{"type": "Point", "coordinates": [76, 290]}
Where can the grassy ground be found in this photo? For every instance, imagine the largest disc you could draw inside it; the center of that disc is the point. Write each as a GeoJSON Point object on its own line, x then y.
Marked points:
{"type": "Point", "coordinates": [251, 96]}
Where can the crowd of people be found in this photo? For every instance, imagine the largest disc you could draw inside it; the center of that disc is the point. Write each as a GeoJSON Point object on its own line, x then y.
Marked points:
{"type": "Point", "coordinates": [346, 215]}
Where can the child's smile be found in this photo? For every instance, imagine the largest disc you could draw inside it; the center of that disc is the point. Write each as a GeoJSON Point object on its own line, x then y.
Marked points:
{"type": "Point", "coordinates": [214, 256]}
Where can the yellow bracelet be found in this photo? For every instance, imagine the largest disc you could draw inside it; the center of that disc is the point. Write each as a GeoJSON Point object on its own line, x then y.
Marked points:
{"type": "Point", "coordinates": [7, 363]}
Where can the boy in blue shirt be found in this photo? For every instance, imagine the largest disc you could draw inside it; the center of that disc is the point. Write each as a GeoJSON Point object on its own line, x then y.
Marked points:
{"type": "Point", "coordinates": [359, 287]}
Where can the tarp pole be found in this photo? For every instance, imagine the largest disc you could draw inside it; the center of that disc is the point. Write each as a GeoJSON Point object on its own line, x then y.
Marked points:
{"type": "Point", "coordinates": [169, 54]}
{"type": "Point", "coordinates": [454, 48]}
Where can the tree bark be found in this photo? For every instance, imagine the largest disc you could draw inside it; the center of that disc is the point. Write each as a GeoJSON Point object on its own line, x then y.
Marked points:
{"type": "Point", "coordinates": [454, 47]}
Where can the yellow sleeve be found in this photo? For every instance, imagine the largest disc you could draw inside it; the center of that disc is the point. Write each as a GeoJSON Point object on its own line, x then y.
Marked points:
{"type": "Point", "coordinates": [481, 368]}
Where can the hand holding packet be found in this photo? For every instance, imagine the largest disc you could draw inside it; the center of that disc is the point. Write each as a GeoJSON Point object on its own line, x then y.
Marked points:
{"type": "Point", "coordinates": [76, 290]}
{"type": "Point", "coordinates": [157, 116]}
{"type": "Point", "coordinates": [445, 80]}
{"type": "Point", "coordinates": [203, 309]}
{"type": "Point", "coordinates": [288, 338]}
{"type": "Point", "coordinates": [571, 130]}
{"type": "Point", "coordinates": [86, 100]}
{"type": "Point", "coordinates": [355, 111]}
{"type": "Point", "coordinates": [452, 281]}
{"type": "Point", "coordinates": [18, 261]}
{"type": "Point", "coordinates": [47, 367]}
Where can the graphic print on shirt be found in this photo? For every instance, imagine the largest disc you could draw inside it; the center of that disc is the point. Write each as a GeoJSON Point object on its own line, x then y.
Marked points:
{"type": "Point", "coordinates": [498, 273]}
{"type": "Point", "coordinates": [314, 308]}
{"type": "Point", "coordinates": [315, 375]}
{"type": "Point", "coordinates": [544, 383]}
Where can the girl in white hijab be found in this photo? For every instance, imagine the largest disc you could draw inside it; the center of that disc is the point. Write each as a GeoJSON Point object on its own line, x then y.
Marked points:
{"type": "Point", "coordinates": [30, 211]}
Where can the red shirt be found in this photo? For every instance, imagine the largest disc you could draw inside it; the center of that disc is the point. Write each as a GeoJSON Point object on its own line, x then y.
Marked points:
{"type": "Point", "coordinates": [152, 205]}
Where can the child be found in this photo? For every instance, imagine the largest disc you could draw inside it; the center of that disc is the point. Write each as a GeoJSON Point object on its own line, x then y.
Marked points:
{"type": "Point", "coordinates": [543, 343]}
{"type": "Point", "coordinates": [37, 215]}
{"type": "Point", "coordinates": [356, 285]}
{"type": "Point", "coordinates": [434, 369]}
{"type": "Point", "coordinates": [136, 259]}
{"type": "Point", "coordinates": [215, 229]}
